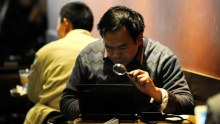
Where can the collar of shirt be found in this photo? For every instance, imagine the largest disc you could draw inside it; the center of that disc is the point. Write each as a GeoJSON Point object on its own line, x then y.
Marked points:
{"type": "Point", "coordinates": [80, 31]}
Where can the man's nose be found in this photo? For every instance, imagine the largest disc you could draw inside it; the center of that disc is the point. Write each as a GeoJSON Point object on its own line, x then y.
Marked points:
{"type": "Point", "coordinates": [117, 53]}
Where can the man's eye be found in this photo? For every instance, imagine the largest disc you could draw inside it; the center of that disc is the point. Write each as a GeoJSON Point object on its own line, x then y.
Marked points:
{"type": "Point", "coordinates": [122, 48]}
{"type": "Point", "coordinates": [109, 48]}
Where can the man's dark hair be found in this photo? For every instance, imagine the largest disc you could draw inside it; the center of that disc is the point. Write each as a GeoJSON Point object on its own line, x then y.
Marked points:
{"type": "Point", "coordinates": [79, 14]}
{"type": "Point", "coordinates": [120, 16]}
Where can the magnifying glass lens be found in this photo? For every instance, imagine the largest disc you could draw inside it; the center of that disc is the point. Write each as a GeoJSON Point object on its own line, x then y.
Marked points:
{"type": "Point", "coordinates": [120, 69]}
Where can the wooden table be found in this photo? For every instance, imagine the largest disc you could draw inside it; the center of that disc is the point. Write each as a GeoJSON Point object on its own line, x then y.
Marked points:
{"type": "Point", "coordinates": [188, 119]}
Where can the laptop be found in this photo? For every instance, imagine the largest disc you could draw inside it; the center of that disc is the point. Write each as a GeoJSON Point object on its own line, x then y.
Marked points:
{"type": "Point", "coordinates": [106, 101]}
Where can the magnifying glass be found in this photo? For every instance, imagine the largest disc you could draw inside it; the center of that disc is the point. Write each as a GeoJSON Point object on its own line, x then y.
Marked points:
{"type": "Point", "coordinates": [120, 69]}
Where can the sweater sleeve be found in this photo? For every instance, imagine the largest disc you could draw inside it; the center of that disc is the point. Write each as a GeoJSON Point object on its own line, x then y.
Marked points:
{"type": "Point", "coordinates": [180, 98]}
{"type": "Point", "coordinates": [69, 104]}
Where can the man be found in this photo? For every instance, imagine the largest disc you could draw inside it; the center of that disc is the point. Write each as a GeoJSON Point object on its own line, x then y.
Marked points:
{"type": "Point", "coordinates": [54, 62]}
{"type": "Point", "coordinates": [154, 69]}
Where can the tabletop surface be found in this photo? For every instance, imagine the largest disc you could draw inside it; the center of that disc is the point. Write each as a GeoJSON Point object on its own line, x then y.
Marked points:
{"type": "Point", "coordinates": [188, 119]}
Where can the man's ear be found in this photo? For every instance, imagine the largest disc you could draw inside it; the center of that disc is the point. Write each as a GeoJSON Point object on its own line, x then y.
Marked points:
{"type": "Point", "coordinates": [140, 39]}
{"type": "Point", "coordinates": [68, 25]}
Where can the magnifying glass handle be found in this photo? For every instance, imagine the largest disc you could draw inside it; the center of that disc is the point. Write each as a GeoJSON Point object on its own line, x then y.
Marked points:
{"type": "Point", "coordinates": [129, 74]}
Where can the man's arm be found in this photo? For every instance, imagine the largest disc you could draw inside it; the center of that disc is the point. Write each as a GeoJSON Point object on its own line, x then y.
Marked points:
{"type": "Point", "coordinates": [180, 99]}
{"type": "Point", "coordinates": [34, 81]}
{"type": "Point", "coordinates": [69, 105]}
{"type": "Point", "coordinates": [170, 92]}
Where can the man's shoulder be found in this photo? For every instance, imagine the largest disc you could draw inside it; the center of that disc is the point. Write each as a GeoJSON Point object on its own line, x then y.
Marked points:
{"type": "Point", "coordinates": [48, 47]}
{"type": "Point", "coordinates": [157, 53]}
{"type": "Point", "coordinates": [93, 52]}
{"type": "Point", "coordinates": [96, 46]}
{"type": "Point", "coordinates": [156, 47]}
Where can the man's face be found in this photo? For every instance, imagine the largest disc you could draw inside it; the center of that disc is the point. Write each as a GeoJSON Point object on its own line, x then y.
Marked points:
{"type": "Point", "coordinates": [120, 47]}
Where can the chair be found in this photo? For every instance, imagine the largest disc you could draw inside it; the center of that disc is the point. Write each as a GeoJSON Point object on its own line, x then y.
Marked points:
{"type": "Point", "coordinates": [201, 86]}
{"type": "Point", "coordinates": [11, 108]}
{"type": "Point", "coordinates": [58, 119]}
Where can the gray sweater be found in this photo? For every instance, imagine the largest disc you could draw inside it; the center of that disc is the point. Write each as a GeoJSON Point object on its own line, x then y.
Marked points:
{"type": "Point", "coordinates": [160, 62]}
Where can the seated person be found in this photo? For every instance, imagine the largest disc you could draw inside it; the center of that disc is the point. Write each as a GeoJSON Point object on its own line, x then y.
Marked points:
{"type": "Point", "coordinates": [153, 68]}
{"type": "Point", "coordinates": [53, 63]}
{"type": "Point", "coordinates": [213, 110]}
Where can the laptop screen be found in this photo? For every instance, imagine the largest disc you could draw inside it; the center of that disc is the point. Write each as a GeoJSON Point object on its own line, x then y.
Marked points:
{"type": "Point", "coordinates": [106, 101]}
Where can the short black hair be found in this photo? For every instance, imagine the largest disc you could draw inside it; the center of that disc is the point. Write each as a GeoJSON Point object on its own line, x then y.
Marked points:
{"type": "Point", "coordinates": [79, 14]}
{"type": "Point", "coordinates": [119, 16]}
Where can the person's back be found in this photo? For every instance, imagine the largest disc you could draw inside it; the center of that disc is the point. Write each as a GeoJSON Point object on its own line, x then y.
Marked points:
{"type": "Point", "coordinates": [54, 62]}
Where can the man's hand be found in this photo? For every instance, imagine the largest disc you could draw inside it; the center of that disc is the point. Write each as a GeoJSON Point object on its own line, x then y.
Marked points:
{"type": "Point", "coordinates": [144, 83]}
